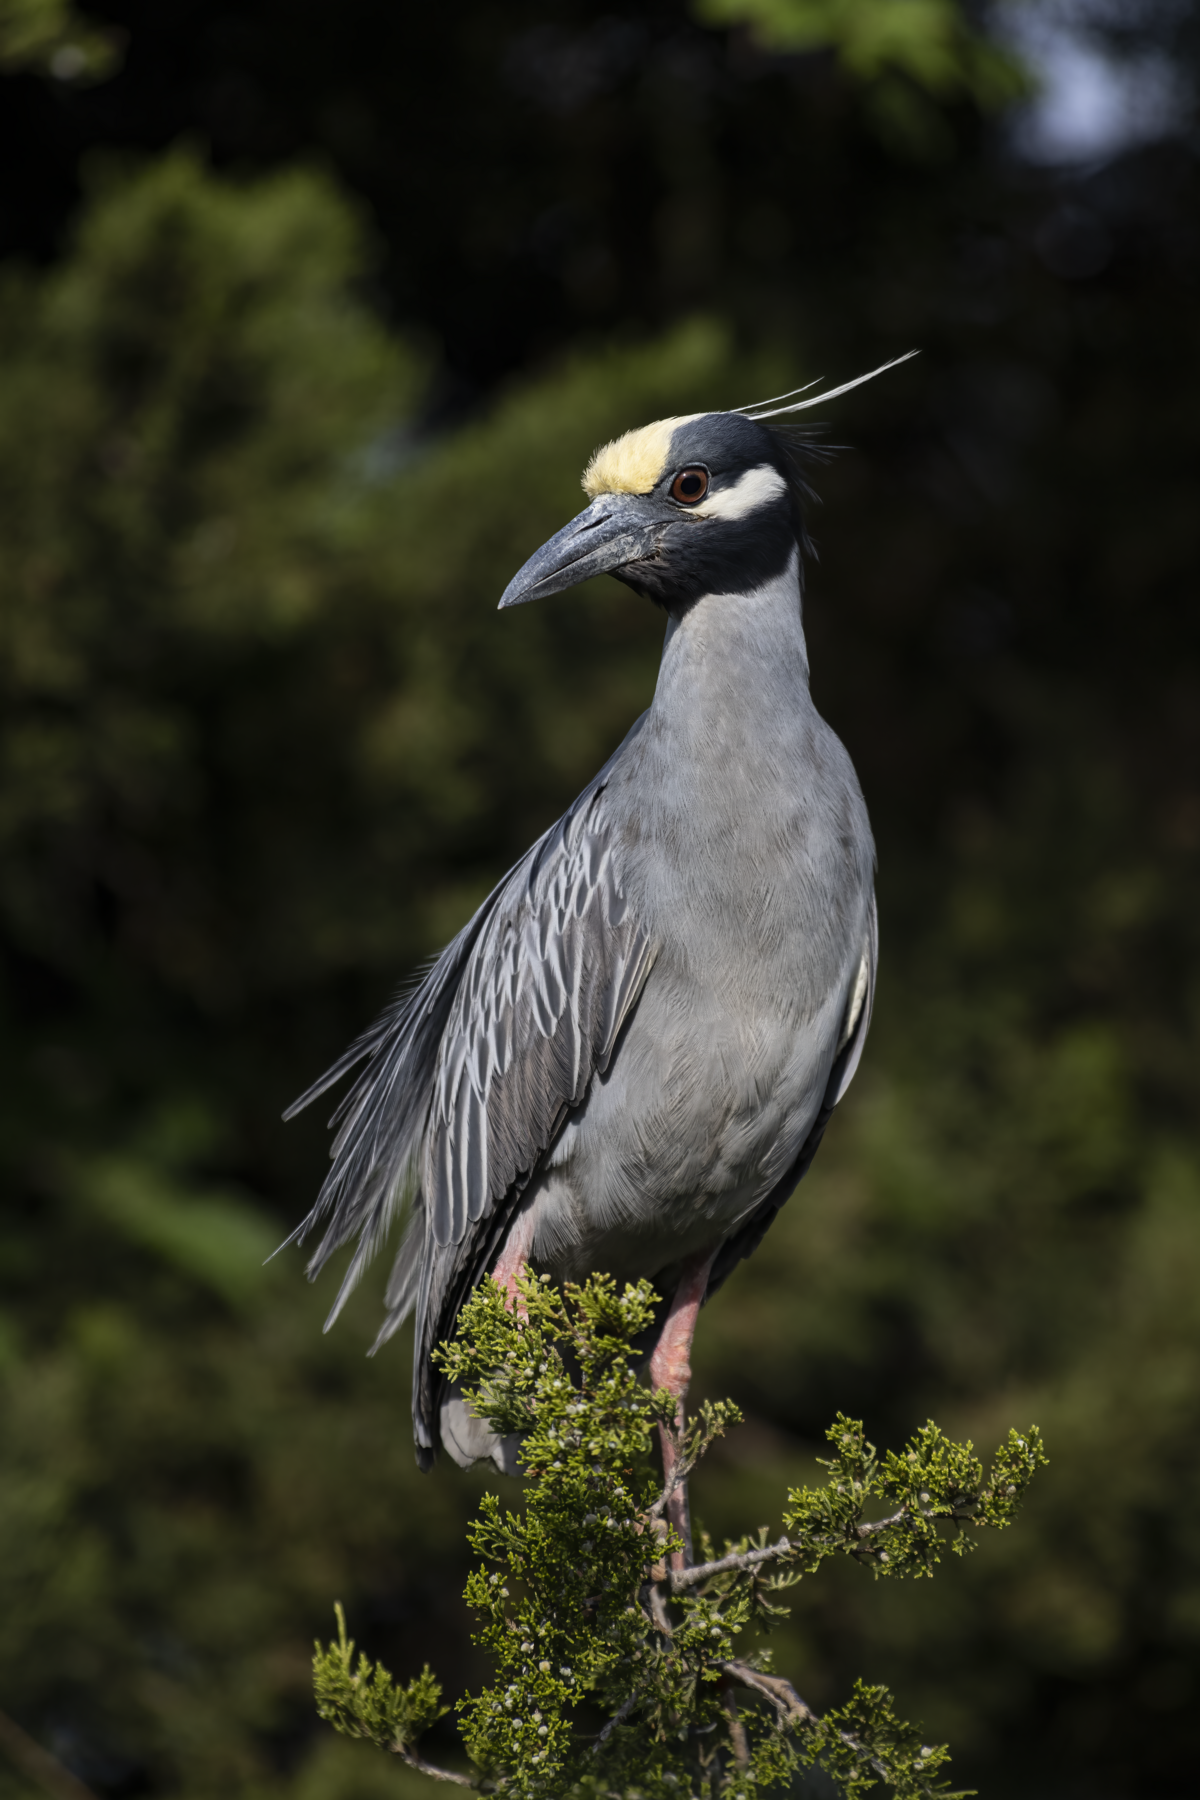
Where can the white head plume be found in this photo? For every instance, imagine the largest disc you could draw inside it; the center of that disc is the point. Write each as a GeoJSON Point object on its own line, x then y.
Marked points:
{"type": "Point", "coordinates": [756, 409]}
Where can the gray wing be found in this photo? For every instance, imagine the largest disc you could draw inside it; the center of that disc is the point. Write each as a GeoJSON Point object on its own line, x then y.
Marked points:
{"type": "Point", "coordinates": [470, 1074]}
{"type": "Point", "coordinates": [857, 1019]}
{"type": "Point", "coordinates": [380, 1122]}
{"type": "Point", "coordinates": [537, 1014]}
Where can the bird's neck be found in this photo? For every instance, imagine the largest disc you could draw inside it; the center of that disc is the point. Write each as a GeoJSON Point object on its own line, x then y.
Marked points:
{"type": "Point", "coordinates": [734, 666]}
{"type": "Point", "coordinates": [726, 766]}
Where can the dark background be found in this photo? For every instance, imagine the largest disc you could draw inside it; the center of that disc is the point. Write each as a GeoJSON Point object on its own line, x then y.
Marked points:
{"type": "Point", "coordinates": [309, 317]}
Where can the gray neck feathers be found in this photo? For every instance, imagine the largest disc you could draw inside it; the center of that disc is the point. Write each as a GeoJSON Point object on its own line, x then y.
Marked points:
{"type": "Point", "coordinates": [726, 753]}
{"type": "Point", "coordinates": [734, 666]}
{"type": "Point", "coordinates": [732, 789]}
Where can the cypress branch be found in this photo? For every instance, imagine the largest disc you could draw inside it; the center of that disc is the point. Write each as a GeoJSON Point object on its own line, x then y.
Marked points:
{"type": "Point", "coordinates": [583, 1615]}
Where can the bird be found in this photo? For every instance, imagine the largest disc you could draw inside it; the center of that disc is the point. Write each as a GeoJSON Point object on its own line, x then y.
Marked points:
{"type": "Point", "coordinates": [627, 1058]}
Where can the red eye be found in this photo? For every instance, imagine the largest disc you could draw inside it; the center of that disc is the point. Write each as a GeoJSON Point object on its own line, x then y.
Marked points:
{"type": "Point", "coordinates": [690, 486]}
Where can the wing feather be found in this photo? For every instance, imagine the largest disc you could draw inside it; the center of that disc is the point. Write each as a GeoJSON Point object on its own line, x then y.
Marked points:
{"type": "Point", "coordinates": [470, 1073]}
{"type": "Point", "coordinates": [550, 982]}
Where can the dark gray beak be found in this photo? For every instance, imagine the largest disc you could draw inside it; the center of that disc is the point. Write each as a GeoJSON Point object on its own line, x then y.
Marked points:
{"type": "Point", "coordinates": [614, 530]}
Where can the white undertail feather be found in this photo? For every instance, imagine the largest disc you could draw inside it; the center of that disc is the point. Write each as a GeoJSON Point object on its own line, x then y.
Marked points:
{"type": "Point", "coordinates": [861, 983]}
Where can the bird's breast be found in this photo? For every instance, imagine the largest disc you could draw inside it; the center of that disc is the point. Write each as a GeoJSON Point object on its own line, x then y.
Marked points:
{"type": "Point", "coordinates": [752, 884]}
{"type": "Point", "coordinates": [719, 1073]}
{"type": "Point", "coordinates": [742, 844]}
{"type": "Point", "coordinates": [703, 1109]}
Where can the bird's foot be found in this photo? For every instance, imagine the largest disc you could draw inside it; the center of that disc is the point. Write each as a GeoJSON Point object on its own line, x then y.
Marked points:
{"type": "Point", "coordinates": [677, 1510]}
{"type": "Point", "coordinates": [671, 1368]}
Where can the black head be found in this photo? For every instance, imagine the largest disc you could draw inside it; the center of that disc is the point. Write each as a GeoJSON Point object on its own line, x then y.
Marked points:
{"type": "Point", "coordinates": [708, 504]}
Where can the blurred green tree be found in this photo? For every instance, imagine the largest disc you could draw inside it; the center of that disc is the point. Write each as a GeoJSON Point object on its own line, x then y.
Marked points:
{"type": "Point", "coordinates": [901, 54]}
{"type": "Point", "coordinates": [258, 738]}
{"type": "Point", "coordinates": [52, 37]}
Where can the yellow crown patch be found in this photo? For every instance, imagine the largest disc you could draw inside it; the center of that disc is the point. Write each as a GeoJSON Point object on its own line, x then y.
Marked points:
{"type": "Point", "coordinates": [633, 463]}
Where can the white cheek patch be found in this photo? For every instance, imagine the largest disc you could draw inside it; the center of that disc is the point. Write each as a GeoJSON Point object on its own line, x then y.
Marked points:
{"type": "Point", "coordinates": [757, 487]}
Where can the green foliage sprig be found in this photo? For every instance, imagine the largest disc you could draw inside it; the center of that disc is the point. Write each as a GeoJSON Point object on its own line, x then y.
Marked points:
{"type": "Point", "coordinates": [617, 1669]}
{"type": "Point", "coordinates": [366, 1702]}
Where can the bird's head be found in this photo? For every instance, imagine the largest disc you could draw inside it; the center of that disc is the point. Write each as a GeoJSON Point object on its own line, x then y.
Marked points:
{"type": "Point", "coordinates": [704, 504]}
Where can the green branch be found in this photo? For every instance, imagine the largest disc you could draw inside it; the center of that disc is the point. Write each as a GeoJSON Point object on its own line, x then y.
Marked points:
{"type": "Point", "coordinates": [365, 1702]}
{"type": "Point", "coordinates": [582, 1614]}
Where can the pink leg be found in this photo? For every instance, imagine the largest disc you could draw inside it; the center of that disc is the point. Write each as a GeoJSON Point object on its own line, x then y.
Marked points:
{"type": "Point", "coordinates": [514, 1256]}
{"type": "Point", "coordinates": [671, 1368]}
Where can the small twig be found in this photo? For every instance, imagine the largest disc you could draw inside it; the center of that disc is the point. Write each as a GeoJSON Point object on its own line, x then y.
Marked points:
{"type": "Point", "coordinates": [953, 1515]}
{"type": "Point", "coordinates": [427, 1768]}
{"type": "Point", "coordinates": [737, 1731]}
{"type": "Point", "coordinates": [792, 1710]}
{"type": "Point", "coordinates": [657, 1570]}
{"type": "Point", "coordinates": [651, 1597]}
{"type": "Point", "coordinates": [744, 1560]}
{"type": "Point", "coordinates": [682, 1579]}
{"type": "Point", "coordinates": [679, 1475]}
{"type": "Point", "coordinates": [44, 1770]}
{"type": "Point", "coordinates": [681, 1469]}
{"type": "Point", "coordinates": [782, 1695]}
{"type": "Point", "coordinates": [619, 1717]}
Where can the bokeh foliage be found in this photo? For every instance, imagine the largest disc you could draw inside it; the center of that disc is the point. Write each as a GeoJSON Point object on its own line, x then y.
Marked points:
{"type": "Point", "coordinates": [54, 38]}
{"type": "Point", "coordinates": [265, 742]}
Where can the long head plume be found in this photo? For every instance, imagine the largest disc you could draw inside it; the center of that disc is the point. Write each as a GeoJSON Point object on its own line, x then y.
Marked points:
{"type": "Point", "coordinates": [784, 403]}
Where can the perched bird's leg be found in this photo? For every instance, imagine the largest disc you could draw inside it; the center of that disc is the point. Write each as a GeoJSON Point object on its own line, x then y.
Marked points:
{"type": "Point", "coordinates": [671, 1368]}
{"type": "Point", "coordinates": [514, 1257]}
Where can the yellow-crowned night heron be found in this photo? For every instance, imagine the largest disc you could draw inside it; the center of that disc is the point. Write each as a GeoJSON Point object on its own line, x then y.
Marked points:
{"type": "Point", "coordinates": [628, 1057]}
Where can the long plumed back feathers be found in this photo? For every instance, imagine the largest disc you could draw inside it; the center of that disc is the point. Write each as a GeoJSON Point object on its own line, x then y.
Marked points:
{"type": "Point", "coordinates": [412, 1090]}
{"type": "Point", "coordinates": [381, 1121]}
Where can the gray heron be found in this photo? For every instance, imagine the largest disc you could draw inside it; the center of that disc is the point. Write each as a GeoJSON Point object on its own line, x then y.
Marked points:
{"type": "Point", "coordinates": [626, 1060]}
